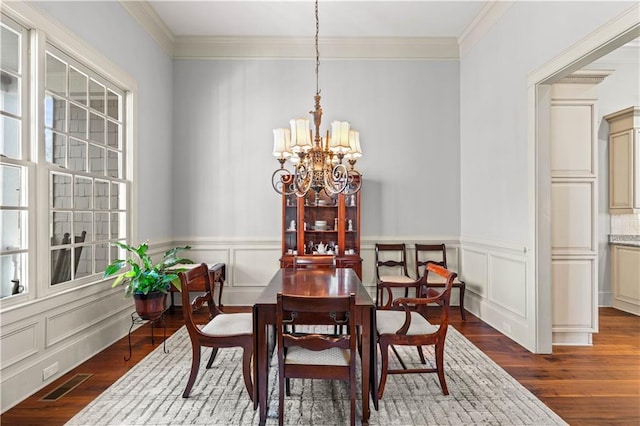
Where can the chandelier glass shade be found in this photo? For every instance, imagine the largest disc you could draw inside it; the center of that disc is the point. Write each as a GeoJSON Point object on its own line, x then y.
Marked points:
{"type": "Point", "coordinates": [317, 161]}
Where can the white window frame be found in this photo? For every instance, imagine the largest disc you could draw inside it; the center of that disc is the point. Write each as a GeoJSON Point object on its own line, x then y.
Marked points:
{"type": "Point", "coordinates": [25, 162]}
{"type": "Point", "coordinates": [44, 30]}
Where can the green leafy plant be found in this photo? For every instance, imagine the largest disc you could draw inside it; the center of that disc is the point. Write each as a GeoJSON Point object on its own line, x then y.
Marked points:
{"type": "Point", "coordinates": [144, 276]}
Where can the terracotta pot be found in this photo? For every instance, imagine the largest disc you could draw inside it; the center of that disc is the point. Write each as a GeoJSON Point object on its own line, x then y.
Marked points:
{"type": "Point", "coordinates": [150, 306]}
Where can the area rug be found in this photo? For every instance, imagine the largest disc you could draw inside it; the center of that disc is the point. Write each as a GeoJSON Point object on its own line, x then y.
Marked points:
{"type": "Point", "coordinates": [480, 393]}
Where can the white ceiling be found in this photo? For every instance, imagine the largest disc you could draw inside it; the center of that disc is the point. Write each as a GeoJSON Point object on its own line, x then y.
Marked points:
{"type": "Point", "coordinates": [338, 18]}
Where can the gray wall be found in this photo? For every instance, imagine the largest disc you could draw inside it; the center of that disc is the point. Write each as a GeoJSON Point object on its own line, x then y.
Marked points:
{"type": "Point", "coordinates": [109, 28]}
{"type": "Point", "coordinates": [65, 328]}
{"type": "Point", "coordinates": [493, 81]}
{"type": "Point", "coordinates": [225, 110]}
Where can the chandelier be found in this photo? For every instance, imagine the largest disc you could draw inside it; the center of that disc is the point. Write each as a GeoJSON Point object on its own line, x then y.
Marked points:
{"type": "Point", "coordinates": [316, 160]}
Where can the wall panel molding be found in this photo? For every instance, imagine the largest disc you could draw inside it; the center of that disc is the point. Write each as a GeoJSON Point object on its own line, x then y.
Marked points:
{"type": "Point", "coordinates": [19, 343]}
{"type": "Point", "coordinates": [499, 290]}
{"type": "Point", "coordinates": [63, 324]}
{"type": "Point", "coordinates": [504, 270]}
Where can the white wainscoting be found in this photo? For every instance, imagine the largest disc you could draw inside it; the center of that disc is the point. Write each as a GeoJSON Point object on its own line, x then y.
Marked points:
{"type": "Point", "coordinates": [498, 289]}
{"type": "Point", "coordinates": [66, 329]}
{"type": "Point", "coordinates": [251, 264]}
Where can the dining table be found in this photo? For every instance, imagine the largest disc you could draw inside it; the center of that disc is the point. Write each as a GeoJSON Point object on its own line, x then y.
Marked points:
{"type": "Point", "coordinates": [321, 283]}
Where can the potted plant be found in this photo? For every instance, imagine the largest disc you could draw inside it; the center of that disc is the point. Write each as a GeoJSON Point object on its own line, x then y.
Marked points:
{"type": "Point", "coordinates": [147, 282]}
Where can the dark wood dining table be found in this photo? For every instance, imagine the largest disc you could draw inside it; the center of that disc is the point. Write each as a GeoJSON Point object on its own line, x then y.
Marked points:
{"type": "Point", "coordinates": [312, 282]}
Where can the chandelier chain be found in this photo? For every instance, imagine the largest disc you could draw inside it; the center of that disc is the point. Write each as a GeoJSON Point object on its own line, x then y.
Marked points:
{"type": "Point", "coordinates": [317, 50]}
{"type": "Point", "coordinates": [317, 161]}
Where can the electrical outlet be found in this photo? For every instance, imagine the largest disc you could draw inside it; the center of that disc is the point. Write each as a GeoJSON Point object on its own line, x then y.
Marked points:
{"type": "Point", "coordinates": [506, 327]}
{"type": "Point", "coordinates": [50, 371]}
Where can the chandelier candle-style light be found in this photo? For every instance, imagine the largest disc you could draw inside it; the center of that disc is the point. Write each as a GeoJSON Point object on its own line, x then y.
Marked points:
{"type": "Point", "coordinates": [317, 165]}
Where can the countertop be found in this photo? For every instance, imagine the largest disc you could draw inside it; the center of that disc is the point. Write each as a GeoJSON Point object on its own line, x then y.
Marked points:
{"type": "Point", "coordinates": [625, 240]}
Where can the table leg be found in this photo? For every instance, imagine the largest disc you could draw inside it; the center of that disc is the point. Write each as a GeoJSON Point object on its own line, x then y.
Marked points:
{"type": "Point", "coordinates": [261, 364]}
{"type": "Point", "coordinates": [366, 364]}
{"type": "Point", "coordinates": [374, 360]}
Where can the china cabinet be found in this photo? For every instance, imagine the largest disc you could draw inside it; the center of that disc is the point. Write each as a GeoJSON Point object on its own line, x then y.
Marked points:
{"type": "Point", "coordinates": [322, 225]}
{"type": "Point", "coordinates": [624, 161]}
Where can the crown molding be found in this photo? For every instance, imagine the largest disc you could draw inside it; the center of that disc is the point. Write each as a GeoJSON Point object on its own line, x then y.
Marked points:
{"type": "Point", "coordinates": [151, 22]}
{"type": "Point", "coordinates": [183, 47]}
{"type": "Point", "coordinates": [491, 13]}
{"type": "Point", "coordinates": [586, 77]}
{"type": "Point", "coordinates": [444, 48]}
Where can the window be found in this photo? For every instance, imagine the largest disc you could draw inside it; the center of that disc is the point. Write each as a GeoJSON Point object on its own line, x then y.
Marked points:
{"type": "Point", "coordinates": [63, 186]}
{"type": "Point", "coordinates": [83, 148]}
{"type": "Point", "coordinates": [14, 164]}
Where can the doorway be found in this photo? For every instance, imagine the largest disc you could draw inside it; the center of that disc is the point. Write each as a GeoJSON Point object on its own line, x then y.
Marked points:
{"type": "Point", "coordinates": [612, 36]}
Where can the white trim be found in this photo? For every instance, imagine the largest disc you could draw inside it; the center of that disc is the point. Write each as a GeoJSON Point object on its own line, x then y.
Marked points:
{"type": "Point", "coordinates": [616, 33]}
{"type": "Point", "coordinates": [151, 22]}
{"type": "Point", "coordinates": [585, 77]}
{"type": "Point", "coordinates": [495, 245]}
{"type": "Point", "coordinates": [70, 42]}
{"type": "Point", "coordinates": [491, 13]}
{"type": "Point", "coordinates": [192, 47]}
{"type": "Point", "coordinates": [269, 241]}
{"type": "Point", "coordinates": [436, 48]}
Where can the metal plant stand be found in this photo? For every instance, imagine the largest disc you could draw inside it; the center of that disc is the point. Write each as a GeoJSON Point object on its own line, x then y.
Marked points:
{"type": "Point", "coordinates": [135, 319]}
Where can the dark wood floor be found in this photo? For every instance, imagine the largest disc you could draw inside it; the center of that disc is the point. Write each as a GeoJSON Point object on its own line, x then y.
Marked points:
{"type": "Point", "coordinates": [597, 385]}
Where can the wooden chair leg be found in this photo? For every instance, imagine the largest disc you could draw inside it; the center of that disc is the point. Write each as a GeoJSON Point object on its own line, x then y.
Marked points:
{"type": "Point", "coordinates": [246, 369]}
{"type": "Point", "coordinates": [440, 367]}
{"type": "Point", "coordinates": [352, 388]}
{"type": "Point", "coordinates": [421, 355]}
{"type": "Point", "coordinates": [462, 310]}
{"type": "Point", "coordinates": [195, 365]}
{"type": "Point", "coordinates": [214, 352]}
{"type": "Point", "coordinates": [287, 385]}
{"type": "Point", "coordinates": [281, 381]}
{"type": "Point", "coordinates": [384, 357]}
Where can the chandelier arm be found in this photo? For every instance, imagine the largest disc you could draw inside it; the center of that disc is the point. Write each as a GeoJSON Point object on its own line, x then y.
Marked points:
{"type": "Point", "coordinates": [302, 180]}
{"type": "Point", "coordinates": [283, 182]}
{"type": "Point", "coordinates": [354, 182]}
{"type": "Point", "coordinates": [335, 180]}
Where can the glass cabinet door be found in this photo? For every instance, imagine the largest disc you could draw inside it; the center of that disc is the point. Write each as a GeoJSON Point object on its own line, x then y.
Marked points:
{"type": "Point", "coordinates": [290, 225]}
{"type": "Point", "coordinates": [321, 223]}
{"type": "Point", "coordinates": [352, 225]}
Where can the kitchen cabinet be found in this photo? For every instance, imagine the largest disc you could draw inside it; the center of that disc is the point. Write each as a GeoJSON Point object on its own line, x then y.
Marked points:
{"type": "Point", "coordinates": [624, 161]}
{"type": "Point", "coordinates": [625, 278]}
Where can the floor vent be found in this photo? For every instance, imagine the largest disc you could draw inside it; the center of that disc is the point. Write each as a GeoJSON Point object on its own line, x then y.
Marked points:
{"type": "Point", "coordinates": [66, 387]}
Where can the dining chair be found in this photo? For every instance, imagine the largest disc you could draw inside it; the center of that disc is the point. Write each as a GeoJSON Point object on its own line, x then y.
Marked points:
{"type": "Point", "coordinates": [315, 262]}
{"type": "Point", "coordinates": [314, 354]}
{"type": "Point", "coordinates": [391, 266]}
{"type": "Point", "coordinates": [402, 323]}
{"type": "Point", "coordinates": [437, 253]}
{"type": "Point", "coordinates": [222, 330]}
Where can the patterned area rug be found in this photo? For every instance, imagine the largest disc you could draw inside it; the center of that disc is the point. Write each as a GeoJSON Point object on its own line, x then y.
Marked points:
{"type": "Point", "coordinates": [481, 393]}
